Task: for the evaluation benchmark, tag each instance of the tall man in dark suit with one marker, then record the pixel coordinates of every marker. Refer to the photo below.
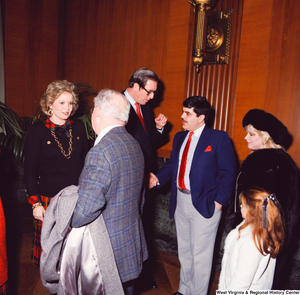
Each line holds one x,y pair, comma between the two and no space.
111,183
150,134
202,168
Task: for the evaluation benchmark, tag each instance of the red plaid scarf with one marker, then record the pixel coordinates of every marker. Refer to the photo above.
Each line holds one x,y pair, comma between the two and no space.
49,124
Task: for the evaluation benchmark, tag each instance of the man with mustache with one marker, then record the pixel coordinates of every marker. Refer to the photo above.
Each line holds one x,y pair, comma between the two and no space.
202,169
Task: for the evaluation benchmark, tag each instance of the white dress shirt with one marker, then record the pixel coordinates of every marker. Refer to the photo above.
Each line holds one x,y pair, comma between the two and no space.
103,132
193,144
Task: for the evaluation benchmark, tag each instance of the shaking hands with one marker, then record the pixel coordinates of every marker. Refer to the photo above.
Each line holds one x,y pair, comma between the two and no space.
153,180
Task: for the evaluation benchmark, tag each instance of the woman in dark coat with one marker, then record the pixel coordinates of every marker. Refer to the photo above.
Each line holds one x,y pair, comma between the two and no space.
271,168
55,150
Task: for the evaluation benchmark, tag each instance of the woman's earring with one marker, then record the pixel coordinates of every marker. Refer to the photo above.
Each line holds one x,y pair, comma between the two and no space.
50,112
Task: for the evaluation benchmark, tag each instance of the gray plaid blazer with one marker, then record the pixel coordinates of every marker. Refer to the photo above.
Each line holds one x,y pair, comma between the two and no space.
111,183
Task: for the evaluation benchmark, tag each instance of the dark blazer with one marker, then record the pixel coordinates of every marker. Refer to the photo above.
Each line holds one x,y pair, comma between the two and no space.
212,173
150,140
110,183
47,171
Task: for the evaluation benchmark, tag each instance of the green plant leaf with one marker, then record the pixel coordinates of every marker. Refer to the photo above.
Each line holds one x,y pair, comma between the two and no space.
9,120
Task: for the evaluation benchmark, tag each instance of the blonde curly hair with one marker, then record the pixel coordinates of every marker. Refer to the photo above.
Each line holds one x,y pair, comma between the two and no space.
54,90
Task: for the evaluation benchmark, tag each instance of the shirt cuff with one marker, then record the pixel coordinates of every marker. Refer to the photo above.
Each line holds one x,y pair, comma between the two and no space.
160,130
34,199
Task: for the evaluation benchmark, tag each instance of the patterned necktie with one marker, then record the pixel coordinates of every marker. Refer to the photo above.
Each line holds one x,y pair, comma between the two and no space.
138,111
183,162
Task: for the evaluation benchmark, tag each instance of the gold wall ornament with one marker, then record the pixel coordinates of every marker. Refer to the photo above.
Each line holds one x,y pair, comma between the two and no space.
211,34
201,8
218,37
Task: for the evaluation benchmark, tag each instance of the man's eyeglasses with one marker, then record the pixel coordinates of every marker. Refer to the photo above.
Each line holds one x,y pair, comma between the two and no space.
150,91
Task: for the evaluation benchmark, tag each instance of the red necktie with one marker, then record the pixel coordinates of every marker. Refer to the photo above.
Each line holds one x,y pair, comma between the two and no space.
138,111
183,162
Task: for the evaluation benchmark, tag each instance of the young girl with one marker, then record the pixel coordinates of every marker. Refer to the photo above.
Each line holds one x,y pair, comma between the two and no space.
252,247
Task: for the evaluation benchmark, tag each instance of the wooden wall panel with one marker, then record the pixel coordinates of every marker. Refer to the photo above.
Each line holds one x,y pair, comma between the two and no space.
269,68
174,70
104,42
283,86
108,40
31,51
253,63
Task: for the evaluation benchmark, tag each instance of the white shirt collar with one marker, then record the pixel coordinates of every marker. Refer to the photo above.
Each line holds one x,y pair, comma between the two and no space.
130,99
198,131
104,132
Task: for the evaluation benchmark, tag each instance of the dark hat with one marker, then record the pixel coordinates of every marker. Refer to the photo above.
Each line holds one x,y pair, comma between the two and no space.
264,121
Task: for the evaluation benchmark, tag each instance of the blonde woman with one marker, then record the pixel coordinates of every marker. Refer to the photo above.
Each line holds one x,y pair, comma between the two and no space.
55,150
269,166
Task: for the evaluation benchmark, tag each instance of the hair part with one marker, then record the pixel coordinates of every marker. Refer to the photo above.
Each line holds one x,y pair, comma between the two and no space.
54,90
267,241
267,140
141,76
200,104
113,103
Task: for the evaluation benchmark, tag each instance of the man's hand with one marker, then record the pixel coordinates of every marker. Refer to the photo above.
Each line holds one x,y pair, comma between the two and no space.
161,121
153,180
219,206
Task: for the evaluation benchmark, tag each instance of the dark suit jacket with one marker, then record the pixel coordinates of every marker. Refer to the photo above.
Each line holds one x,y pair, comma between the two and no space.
110,183
212,173
150,140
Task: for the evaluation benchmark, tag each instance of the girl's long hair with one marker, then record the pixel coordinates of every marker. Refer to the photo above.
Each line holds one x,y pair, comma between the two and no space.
270,240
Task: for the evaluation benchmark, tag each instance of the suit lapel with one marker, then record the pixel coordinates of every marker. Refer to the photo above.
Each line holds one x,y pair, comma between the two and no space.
136,119
147,119
201,146
179,142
